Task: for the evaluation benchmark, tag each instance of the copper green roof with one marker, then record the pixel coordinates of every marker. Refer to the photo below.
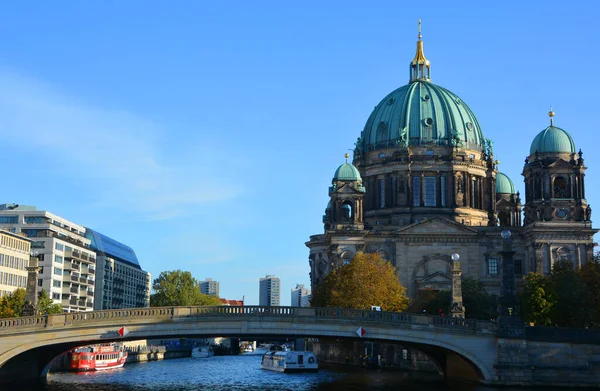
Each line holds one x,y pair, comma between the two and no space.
347,172
504,185
552,139
421,113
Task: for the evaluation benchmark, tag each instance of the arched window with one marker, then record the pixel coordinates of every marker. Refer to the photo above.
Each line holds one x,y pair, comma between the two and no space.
346,212
560,187
504,218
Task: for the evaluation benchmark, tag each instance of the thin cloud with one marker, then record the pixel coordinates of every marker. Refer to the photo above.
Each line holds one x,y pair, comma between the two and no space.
116,153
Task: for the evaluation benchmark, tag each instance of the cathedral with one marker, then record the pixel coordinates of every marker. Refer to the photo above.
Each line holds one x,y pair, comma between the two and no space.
423,189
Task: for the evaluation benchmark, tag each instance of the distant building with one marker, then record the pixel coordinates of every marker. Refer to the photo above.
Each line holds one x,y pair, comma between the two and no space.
120,280
209,287
269,294
300,296
232,303
14,258
67,264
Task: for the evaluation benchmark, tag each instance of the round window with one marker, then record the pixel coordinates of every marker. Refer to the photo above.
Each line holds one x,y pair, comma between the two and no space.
428,121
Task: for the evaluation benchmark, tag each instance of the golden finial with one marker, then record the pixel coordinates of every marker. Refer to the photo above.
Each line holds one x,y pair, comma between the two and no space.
496,162
346,156
419,66
551,115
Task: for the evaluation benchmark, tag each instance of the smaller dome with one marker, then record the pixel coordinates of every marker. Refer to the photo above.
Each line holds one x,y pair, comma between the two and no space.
504,185
552,139
347,172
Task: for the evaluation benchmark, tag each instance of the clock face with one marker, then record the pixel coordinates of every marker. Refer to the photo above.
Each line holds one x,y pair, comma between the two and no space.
562,213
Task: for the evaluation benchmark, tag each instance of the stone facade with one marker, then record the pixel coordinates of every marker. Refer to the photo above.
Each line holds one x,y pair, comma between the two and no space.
427,185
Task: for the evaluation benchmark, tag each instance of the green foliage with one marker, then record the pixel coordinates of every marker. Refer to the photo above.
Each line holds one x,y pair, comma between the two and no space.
570,292
367,280
478,303
536,300
46,306
12,304
590,274
179,288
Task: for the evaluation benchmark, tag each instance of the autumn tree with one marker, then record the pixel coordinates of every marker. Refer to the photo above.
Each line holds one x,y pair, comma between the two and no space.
12,304
179,288
365,281
537,300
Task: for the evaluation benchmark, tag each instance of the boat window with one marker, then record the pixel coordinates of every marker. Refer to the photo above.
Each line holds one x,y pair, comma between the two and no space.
300,359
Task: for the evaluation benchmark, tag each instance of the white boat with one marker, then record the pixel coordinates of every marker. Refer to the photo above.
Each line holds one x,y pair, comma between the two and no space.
202,352
295,361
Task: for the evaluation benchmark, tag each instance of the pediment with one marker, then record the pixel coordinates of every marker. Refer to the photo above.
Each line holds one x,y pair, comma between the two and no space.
436,277
561,164
503,204
347,189
437,226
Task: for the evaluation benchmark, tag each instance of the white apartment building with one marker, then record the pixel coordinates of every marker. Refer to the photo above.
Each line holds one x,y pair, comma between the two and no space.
269,294
67,264
209,287
300,296
14,258
120,280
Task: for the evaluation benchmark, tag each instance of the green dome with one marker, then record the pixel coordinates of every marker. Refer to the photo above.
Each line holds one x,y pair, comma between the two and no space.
552,139
504,185
420,113
347,172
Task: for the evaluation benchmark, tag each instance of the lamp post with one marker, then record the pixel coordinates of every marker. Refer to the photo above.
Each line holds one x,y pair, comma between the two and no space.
508,305
456,308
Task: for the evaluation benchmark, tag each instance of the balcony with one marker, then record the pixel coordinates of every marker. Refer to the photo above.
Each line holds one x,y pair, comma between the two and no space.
90,305
75,278
83,280
73,302
66,290
73,289
90,282
92,270
90,292
75,266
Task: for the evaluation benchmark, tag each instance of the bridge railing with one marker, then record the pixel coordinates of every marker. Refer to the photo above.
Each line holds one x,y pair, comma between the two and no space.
150,314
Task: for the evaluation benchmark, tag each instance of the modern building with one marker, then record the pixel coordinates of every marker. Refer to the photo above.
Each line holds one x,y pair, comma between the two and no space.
209,287
269,294
14,258
424,185
67,264
120,280
300,296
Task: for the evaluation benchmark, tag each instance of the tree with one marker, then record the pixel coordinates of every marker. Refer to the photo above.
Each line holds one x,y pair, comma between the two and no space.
12,304
590,274
179,288
478,303
537,300
570,292
366,281
46,305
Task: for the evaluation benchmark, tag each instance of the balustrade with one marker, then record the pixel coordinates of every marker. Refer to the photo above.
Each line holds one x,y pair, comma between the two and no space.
336,314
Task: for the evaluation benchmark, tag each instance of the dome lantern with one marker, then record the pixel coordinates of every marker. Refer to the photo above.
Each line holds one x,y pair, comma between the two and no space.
420,68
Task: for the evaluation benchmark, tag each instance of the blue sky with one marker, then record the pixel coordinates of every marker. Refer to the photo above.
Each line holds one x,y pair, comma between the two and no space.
205,134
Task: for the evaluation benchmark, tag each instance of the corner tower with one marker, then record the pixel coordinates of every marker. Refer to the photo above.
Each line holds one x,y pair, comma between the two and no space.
557,216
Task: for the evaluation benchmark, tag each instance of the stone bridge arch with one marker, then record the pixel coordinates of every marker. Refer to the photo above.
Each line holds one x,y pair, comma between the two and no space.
37,340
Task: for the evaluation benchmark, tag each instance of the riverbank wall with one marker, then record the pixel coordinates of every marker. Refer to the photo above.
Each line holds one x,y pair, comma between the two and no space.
372,355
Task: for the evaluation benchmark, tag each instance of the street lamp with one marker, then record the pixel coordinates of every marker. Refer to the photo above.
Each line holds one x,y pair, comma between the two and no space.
455,257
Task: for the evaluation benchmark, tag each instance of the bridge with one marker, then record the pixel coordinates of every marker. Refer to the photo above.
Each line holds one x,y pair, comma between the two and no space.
468,349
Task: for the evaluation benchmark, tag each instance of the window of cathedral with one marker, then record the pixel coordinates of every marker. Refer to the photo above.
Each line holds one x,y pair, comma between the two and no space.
443,190
416,191
381,193
430,191
346,212
492,266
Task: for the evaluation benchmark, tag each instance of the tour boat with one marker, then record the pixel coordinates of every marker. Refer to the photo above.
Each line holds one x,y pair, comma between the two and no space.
97,358
294,361
202,352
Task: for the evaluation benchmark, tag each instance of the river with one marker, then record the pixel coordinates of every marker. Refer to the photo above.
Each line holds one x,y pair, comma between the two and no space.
228,373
